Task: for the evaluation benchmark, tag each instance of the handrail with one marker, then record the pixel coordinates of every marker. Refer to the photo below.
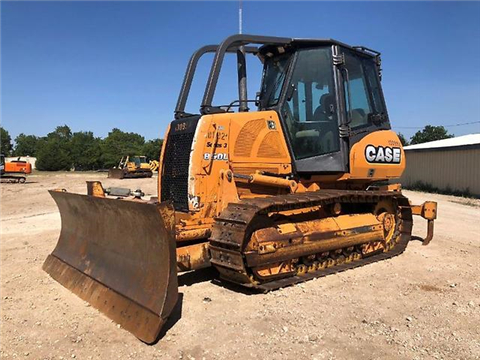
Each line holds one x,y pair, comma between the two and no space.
233,41
190,73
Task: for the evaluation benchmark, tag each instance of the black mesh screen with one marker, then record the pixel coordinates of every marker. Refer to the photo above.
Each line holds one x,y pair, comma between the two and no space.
176,162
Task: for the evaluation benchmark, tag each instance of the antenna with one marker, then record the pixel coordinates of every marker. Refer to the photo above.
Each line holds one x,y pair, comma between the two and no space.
240,17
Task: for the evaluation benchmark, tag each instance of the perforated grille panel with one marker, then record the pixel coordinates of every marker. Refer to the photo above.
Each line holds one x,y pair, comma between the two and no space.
247,136
271,146
176,162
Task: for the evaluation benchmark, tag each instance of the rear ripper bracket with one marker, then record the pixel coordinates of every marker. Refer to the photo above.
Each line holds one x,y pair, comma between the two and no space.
428,211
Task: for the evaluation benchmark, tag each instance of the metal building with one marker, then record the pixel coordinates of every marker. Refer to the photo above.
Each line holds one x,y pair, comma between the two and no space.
449,164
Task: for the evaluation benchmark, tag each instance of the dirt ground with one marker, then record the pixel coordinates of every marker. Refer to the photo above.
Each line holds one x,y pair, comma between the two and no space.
424,304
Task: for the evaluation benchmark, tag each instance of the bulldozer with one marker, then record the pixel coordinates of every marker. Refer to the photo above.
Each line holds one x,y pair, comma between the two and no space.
131,167
299,188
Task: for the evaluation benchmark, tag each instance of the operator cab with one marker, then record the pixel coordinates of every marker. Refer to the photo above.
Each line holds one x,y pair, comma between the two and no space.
327,94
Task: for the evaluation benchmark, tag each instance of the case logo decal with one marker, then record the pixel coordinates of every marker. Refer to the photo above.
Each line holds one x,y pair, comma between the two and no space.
383,154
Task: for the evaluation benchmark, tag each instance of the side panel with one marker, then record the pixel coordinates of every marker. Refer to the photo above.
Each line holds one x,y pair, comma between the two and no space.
200,177
258,138
242,143
377,156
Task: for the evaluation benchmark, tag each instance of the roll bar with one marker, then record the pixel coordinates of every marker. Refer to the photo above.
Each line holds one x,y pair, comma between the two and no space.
190,73
232,44
238,43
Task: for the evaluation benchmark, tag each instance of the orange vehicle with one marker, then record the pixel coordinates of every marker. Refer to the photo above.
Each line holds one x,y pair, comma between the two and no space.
302,187
14,171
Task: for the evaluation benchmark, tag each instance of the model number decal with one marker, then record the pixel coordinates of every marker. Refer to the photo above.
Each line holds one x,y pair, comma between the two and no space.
220,156
383,154
181,126
210,144
220,135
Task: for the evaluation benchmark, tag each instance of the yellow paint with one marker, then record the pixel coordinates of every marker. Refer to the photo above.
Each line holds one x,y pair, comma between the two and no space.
248,143
360,168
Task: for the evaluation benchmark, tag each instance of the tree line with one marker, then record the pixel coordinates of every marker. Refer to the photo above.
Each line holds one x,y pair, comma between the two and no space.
63,150
428,133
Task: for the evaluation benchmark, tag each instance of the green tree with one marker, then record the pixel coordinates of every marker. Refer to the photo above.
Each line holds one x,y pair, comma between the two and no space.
430,133
63,132
5,142
52,155
53,151
118,144
85,151
26,145
151,149
402,138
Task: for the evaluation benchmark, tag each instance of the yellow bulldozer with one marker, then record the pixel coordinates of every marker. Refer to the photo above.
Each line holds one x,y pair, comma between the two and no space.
299,188
131,167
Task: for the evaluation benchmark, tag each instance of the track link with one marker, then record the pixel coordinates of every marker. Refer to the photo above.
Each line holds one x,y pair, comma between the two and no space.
235,225
21,179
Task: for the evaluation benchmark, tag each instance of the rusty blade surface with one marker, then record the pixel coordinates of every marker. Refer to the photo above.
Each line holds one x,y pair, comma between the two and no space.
116,173
120,257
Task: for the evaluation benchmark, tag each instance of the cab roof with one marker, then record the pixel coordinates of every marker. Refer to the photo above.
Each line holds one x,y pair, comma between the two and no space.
308,42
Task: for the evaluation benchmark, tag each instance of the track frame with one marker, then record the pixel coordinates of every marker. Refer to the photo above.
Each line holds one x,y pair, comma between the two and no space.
235,225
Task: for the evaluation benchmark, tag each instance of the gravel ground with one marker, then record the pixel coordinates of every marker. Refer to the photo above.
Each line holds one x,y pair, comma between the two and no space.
424,304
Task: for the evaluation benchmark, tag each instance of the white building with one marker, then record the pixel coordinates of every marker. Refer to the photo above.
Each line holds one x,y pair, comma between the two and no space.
449,164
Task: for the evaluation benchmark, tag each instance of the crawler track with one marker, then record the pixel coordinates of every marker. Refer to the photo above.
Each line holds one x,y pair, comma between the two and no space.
235,225
21,179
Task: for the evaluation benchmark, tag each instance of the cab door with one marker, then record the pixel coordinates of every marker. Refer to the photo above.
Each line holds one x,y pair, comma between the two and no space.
365,110
310,113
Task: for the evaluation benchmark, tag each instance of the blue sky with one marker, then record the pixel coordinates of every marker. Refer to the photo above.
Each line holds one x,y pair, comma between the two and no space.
99,65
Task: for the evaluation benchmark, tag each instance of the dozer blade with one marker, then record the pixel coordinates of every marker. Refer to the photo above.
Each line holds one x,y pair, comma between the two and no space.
116,173
119,256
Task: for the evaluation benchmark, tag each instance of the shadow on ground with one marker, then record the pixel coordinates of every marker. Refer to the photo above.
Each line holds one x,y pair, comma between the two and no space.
212,275
174,317
197,276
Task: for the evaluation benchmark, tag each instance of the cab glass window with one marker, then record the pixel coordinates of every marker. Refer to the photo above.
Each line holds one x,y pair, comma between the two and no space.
362,90
310,109
273,77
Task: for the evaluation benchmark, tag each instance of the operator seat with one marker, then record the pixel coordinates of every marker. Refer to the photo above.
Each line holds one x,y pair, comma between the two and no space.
328,123
322,112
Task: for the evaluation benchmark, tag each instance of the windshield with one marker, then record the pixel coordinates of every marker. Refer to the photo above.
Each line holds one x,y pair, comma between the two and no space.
274,74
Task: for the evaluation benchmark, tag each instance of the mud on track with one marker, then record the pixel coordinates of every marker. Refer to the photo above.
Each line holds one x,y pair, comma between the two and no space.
424,304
